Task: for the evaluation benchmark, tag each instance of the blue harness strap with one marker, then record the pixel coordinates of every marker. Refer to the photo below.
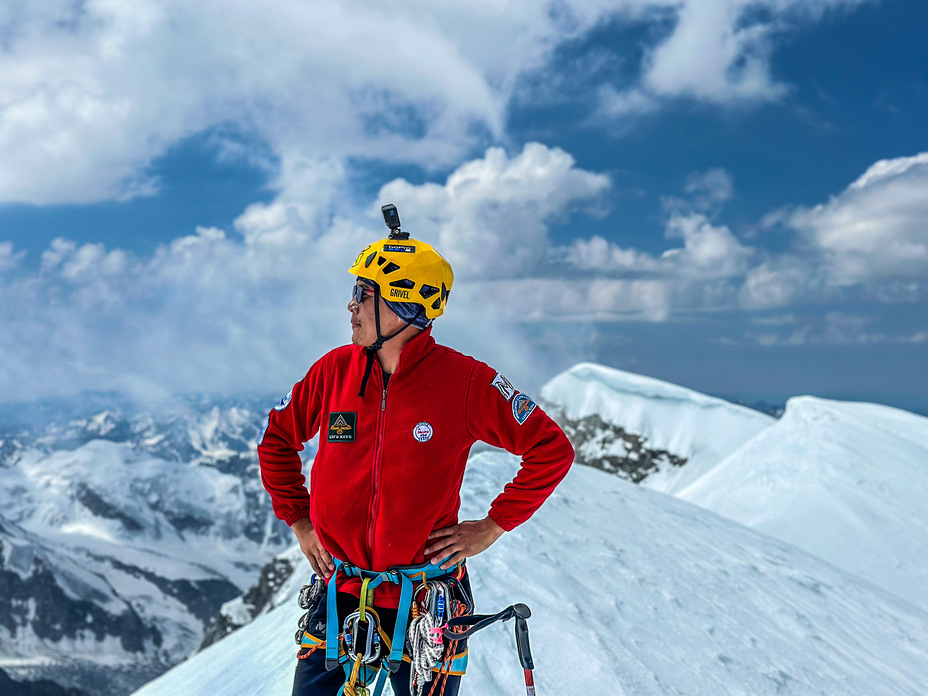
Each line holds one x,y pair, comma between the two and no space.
401,576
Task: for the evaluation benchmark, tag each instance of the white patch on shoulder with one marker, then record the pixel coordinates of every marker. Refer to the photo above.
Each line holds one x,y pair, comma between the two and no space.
504,386
284,402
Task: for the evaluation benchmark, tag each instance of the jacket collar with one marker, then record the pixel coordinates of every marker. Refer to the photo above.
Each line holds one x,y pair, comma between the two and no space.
412,352
415,349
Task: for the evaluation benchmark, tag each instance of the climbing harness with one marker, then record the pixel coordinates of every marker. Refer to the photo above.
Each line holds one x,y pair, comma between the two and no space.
359,645
439,612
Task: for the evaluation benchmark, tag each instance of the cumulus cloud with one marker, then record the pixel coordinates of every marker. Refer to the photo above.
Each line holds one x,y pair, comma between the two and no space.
718,52
253,306
875,230
709,251
490,218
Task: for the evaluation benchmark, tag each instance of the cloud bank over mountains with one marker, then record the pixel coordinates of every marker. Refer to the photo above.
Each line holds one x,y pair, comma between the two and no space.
93,93
251,307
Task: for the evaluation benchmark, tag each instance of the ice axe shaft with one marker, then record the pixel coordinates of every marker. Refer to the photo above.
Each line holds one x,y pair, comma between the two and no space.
478,621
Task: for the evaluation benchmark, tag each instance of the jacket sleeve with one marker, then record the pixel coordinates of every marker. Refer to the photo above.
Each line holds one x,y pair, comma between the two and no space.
291,423
503,417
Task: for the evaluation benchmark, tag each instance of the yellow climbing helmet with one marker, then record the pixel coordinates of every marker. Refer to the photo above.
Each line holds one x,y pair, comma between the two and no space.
406,270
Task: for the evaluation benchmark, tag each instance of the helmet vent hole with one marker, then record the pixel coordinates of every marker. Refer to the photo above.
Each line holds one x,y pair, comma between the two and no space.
436,304
390,268
426,291
369,259
381,260
444,292
404,283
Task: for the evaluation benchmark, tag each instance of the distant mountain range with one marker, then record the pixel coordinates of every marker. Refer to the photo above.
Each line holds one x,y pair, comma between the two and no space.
122,533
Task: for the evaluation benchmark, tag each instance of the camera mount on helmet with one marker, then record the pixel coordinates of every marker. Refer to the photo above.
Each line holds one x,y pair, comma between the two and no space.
392,218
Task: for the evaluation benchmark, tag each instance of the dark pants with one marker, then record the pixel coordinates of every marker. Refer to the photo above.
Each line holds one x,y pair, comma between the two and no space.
311,677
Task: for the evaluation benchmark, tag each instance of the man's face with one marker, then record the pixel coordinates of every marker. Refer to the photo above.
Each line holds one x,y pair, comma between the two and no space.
363,323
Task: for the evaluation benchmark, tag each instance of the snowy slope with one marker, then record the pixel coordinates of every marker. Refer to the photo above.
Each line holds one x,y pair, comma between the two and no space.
845,481
634,593
648,431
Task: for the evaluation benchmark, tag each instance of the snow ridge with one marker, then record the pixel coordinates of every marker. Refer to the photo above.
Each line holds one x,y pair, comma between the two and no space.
653,432
633,593
845,481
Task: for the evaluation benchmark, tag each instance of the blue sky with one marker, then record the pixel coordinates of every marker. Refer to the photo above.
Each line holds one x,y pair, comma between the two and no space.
732,196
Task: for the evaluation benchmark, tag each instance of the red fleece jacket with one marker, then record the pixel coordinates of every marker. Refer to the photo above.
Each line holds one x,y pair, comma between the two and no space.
389,467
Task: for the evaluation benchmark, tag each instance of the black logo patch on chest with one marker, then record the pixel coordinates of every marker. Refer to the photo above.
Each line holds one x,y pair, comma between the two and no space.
342,426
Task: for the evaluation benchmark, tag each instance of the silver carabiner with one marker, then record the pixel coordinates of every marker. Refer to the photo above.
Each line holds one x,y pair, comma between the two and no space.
437,600
352,628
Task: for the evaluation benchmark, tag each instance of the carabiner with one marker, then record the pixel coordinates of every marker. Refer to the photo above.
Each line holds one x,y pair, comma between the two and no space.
352,629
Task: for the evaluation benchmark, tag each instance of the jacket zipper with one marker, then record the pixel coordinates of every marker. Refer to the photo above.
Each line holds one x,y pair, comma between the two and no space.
378,453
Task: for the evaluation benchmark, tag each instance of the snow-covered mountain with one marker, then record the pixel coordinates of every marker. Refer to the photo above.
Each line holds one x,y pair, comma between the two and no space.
103,512
633,593
121,535
645,430
845,481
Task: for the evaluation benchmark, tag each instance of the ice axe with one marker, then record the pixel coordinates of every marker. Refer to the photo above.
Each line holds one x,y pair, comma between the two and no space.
521,613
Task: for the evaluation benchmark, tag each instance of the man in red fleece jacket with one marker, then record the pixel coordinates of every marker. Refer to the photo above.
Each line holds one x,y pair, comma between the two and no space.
397,415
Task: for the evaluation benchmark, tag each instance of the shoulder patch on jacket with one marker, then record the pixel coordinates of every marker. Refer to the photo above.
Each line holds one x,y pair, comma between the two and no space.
522,407
284,402
504,386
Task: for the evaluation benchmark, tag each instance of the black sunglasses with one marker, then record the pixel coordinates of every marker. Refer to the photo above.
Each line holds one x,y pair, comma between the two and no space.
359,292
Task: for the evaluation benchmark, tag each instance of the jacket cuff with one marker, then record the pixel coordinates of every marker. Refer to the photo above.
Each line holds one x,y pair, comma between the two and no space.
501,520
296,516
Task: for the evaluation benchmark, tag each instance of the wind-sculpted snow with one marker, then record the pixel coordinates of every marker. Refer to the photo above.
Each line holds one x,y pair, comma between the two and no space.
845,481
646,430
633,593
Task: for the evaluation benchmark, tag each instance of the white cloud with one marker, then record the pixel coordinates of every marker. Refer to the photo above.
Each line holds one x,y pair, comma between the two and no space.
718,52
9,258
778,282
710,188
598,254
490,218
93,93
834,329
876,230
252,307
709,251
713,55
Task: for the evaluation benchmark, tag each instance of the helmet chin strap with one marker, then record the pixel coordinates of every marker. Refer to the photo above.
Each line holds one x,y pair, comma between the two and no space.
372,349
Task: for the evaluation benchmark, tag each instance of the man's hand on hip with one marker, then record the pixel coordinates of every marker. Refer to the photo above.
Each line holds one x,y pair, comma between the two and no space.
318,557
461,541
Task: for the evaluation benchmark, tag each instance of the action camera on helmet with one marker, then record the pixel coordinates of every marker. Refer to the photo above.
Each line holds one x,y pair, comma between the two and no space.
392,217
